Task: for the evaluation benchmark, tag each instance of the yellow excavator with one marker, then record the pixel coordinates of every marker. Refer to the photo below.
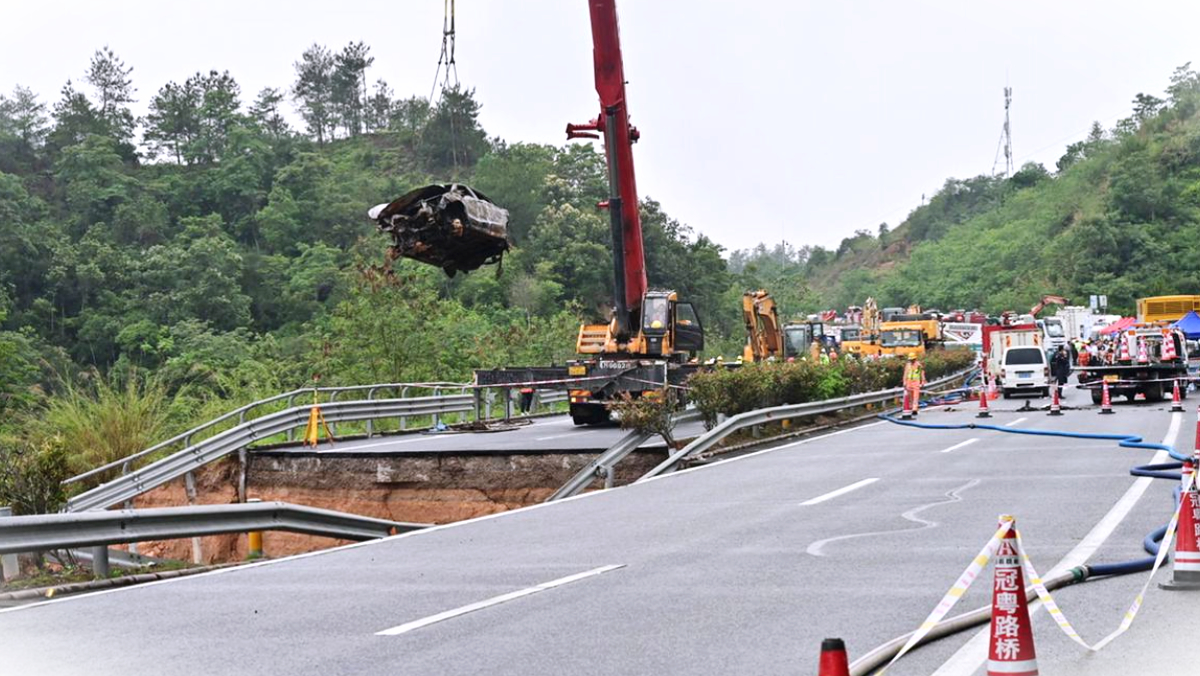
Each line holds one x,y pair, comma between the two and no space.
868,342
766,339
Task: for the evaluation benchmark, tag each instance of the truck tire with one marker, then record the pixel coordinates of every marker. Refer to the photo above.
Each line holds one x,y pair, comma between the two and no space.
1154,392
1097,397
589,414
1007,394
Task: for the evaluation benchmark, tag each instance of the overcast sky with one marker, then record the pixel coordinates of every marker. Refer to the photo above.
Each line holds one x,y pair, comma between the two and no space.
778,119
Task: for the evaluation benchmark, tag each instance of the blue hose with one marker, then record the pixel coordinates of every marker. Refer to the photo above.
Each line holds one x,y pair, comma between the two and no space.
1157,471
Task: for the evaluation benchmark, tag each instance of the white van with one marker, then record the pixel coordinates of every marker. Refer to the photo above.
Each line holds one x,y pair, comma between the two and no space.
1025,369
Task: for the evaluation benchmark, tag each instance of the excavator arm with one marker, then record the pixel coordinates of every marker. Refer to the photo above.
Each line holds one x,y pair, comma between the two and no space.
1047,300
764,337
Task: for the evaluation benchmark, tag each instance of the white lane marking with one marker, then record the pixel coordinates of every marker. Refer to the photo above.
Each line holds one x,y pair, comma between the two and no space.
841,491
911,515
973,654
1016,422
748,455
961,444
557,436
424,531
494,601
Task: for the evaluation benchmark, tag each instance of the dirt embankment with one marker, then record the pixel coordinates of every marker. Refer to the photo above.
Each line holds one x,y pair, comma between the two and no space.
423,489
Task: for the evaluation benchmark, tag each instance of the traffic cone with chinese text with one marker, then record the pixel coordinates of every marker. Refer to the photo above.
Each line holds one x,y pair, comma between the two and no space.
1055,404
1143,355
983,398
1186,572
1105,400
1176,401
1124,354
1010,639
833,658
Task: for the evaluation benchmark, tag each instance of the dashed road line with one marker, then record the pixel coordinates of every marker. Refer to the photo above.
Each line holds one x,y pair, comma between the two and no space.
959,445
841,491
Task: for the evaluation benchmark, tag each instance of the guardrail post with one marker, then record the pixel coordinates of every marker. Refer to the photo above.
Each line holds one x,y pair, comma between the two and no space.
370,421
243,460
189,482
100,569
403,418
254,540
291,433
507,393
437,417
10,564
333,425
477,395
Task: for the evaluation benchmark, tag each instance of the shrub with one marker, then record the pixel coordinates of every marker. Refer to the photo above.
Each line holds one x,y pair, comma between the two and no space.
730,391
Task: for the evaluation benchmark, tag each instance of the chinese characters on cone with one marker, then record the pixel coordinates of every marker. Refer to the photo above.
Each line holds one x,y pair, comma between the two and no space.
1010,644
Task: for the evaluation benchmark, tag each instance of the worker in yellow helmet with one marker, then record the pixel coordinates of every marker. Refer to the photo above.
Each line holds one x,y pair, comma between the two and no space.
914,380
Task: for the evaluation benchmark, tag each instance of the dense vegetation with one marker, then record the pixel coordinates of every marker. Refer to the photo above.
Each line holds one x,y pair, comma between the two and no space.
1120,216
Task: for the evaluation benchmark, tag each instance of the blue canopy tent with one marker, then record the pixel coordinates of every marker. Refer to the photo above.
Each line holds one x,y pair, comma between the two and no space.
1190,325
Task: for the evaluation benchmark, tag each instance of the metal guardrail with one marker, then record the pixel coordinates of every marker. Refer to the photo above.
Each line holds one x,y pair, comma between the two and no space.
134,482
138,481
766,415
44,532
604,463
243,414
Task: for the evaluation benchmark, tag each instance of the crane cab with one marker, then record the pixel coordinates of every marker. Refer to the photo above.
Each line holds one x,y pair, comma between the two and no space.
669,329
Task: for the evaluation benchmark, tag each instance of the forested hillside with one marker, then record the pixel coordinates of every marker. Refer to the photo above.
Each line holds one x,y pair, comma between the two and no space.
1119,215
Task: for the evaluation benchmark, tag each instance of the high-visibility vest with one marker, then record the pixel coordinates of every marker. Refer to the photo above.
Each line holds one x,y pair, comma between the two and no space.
915,373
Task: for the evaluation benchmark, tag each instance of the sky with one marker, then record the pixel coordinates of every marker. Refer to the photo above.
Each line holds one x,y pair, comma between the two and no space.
761,122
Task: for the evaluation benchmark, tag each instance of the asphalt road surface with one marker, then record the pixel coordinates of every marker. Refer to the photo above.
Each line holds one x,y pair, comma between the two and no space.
552,434
740,567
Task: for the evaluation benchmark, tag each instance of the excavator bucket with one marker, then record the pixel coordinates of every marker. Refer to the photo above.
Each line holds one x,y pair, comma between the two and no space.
451,226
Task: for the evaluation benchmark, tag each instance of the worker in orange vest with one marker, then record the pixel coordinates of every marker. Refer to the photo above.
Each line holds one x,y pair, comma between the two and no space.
914,380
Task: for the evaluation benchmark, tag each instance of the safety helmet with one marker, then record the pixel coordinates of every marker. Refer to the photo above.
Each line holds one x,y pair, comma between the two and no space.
912,356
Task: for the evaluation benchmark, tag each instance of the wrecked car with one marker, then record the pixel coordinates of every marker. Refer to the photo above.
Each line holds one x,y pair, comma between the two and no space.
454,227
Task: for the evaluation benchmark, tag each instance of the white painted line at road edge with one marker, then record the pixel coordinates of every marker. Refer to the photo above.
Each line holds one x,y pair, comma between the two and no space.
960,444
841,491
973,654
494,601
416,533
1016,422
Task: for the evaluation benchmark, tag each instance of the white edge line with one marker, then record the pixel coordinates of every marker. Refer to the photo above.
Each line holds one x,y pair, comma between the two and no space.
961,444
494,601
841,491
967,659
1016,422
423,531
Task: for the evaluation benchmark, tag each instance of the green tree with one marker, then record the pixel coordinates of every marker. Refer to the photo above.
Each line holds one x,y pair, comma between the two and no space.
313,91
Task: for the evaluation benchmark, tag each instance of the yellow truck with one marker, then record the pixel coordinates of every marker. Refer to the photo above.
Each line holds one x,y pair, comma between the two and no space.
909,334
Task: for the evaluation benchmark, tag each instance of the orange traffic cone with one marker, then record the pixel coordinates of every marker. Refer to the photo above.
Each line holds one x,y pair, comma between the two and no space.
983,399
1176,401
1055,404
833,658
1168,346
1105,400
1186,573
1143,356
1010,643
1124,354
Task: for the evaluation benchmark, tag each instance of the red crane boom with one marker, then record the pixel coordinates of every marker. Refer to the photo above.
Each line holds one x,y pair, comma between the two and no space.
629,260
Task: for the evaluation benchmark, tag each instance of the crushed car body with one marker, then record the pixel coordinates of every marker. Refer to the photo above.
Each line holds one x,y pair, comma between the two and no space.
451,226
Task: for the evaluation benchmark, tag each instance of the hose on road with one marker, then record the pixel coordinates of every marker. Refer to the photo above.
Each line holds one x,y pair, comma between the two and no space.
880,655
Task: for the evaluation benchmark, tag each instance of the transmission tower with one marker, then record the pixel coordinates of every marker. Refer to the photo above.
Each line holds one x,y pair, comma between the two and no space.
1005,144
